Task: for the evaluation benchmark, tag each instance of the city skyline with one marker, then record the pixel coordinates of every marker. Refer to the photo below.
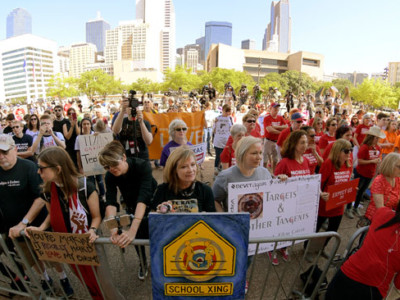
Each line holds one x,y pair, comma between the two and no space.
353,36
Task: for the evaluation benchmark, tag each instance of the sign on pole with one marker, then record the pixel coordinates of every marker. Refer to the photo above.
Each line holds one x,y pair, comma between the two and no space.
198,255
277,208
89,147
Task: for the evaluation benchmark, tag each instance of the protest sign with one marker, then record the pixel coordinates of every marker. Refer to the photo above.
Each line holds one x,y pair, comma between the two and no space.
200,255
342,193
199,150
69,248
160,123
89,147
277,208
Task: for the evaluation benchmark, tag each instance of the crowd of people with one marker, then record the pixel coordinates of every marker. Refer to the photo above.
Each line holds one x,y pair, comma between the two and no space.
41,166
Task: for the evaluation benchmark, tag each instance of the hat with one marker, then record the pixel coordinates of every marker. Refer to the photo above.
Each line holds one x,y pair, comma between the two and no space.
275,88
297,117
376,131
6,142
275,104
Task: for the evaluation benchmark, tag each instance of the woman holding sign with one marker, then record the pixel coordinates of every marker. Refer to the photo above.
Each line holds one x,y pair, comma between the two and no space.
180,183
335,170
71,211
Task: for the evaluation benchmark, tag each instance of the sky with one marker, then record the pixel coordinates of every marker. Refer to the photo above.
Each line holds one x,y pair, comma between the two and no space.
353,35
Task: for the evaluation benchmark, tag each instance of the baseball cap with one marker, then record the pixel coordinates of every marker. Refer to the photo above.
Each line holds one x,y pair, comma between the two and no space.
297,117
275,104
6,142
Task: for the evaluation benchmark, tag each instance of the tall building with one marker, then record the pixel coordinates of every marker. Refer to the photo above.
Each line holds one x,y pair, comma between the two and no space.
63,60
249,44
81,55
191,56
27,62
201,43
96,32
277,37
160,15
19,22
394,72
216,33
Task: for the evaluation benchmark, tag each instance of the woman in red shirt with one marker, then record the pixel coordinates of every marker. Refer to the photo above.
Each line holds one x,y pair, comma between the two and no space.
329,136
313,154
335,170
318,126
368,159
359,134
343,132
385,189
228,158
367,274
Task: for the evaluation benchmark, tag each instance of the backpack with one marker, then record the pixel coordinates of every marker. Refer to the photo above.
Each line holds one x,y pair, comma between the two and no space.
82,193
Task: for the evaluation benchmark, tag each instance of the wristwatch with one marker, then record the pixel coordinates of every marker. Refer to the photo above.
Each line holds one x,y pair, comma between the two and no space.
25,221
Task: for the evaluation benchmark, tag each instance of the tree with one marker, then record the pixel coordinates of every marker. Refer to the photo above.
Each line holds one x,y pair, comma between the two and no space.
145,85
95,82
274,80
298,81
180,77
341,84
219,77
376,93
62,87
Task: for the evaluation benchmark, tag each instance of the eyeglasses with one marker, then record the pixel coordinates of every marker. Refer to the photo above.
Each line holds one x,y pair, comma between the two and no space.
71,112
319,123
318,112
251,121
113,166
17,126
42,167
334,124
347,151
299,122
311,136
181,129
33,119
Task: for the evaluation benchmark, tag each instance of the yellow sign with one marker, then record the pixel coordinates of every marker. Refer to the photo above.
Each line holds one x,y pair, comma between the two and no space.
199,254
199,289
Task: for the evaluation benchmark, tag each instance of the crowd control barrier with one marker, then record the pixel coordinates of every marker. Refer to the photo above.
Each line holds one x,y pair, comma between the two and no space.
266,281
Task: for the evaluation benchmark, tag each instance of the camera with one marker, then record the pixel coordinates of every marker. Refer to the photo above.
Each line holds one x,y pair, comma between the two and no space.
133,102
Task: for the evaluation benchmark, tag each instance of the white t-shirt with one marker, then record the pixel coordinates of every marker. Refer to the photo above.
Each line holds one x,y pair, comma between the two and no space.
222,131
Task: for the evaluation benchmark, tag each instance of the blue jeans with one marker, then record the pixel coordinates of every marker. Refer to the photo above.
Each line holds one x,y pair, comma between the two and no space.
363,185
218,152
207,137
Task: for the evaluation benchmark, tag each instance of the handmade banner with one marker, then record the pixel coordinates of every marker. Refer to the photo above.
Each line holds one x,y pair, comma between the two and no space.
89,147
160,123
342,193
69,248
199,255
277,208
199,150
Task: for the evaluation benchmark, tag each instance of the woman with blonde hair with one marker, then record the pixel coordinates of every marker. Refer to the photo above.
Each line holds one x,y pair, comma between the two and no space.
180,182
318,125
329,136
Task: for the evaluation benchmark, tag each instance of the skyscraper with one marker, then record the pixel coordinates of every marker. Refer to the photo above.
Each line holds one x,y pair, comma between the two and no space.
19,21
277,37
201,43
217,32
96,32
160,15
249,44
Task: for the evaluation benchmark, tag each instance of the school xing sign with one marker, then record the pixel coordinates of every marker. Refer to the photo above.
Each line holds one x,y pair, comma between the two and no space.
198,255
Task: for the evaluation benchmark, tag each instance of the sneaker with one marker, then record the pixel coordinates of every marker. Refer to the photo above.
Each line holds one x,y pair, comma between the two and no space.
246,288
46,284
357,212
349,213
273,258
66,287
285,254
142,273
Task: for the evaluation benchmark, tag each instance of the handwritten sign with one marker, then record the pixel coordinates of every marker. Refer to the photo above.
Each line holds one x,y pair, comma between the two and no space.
277,208
89,147
199,150
342,193
67,248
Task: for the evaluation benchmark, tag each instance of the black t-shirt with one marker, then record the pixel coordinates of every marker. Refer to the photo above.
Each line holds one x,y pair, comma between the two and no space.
127,135
70,143
19,187
90,188
137,185
202,192
23,143
7,130
58,125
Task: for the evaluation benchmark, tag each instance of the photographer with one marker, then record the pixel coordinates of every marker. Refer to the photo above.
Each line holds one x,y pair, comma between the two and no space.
134,132
47,137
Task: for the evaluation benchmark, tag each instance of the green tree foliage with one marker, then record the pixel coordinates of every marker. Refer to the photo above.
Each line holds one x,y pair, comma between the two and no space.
377,93
62,87
219,77
298,82
274,80
145,85
97,82
180,77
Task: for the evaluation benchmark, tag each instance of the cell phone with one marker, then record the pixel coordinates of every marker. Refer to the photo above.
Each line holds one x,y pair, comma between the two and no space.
74,117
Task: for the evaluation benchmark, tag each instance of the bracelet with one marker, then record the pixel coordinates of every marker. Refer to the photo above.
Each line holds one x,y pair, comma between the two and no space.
134,218
94,229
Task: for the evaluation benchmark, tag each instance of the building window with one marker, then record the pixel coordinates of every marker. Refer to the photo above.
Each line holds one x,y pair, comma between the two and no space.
310,62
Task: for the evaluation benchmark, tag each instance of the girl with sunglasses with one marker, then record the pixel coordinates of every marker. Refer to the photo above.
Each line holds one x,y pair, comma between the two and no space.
313,154
329,136
318,125
33,126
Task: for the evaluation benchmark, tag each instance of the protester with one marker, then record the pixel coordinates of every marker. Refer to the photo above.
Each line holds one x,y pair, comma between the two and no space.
295,124
47,137
354,123
385,188
33,126
228,158
23,142
73,212
8,128
313,154
343,132
318,126
134,180
222,125
180,183
361,130
59,121
387,144
71,131
367,274
368,159
329,136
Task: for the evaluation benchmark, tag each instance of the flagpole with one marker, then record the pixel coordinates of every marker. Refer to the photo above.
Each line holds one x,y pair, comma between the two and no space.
44,87
26,82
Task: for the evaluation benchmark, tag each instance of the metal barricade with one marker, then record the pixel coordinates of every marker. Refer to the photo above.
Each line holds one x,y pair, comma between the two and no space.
283,281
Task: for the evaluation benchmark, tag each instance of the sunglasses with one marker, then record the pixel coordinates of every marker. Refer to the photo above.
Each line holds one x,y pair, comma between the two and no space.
318,112
33,119
347,151
299,122
42,167
311,136
181,129
15,127
251,121
334,124
70,113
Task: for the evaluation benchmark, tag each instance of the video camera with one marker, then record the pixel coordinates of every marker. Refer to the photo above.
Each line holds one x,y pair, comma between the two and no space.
134,102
